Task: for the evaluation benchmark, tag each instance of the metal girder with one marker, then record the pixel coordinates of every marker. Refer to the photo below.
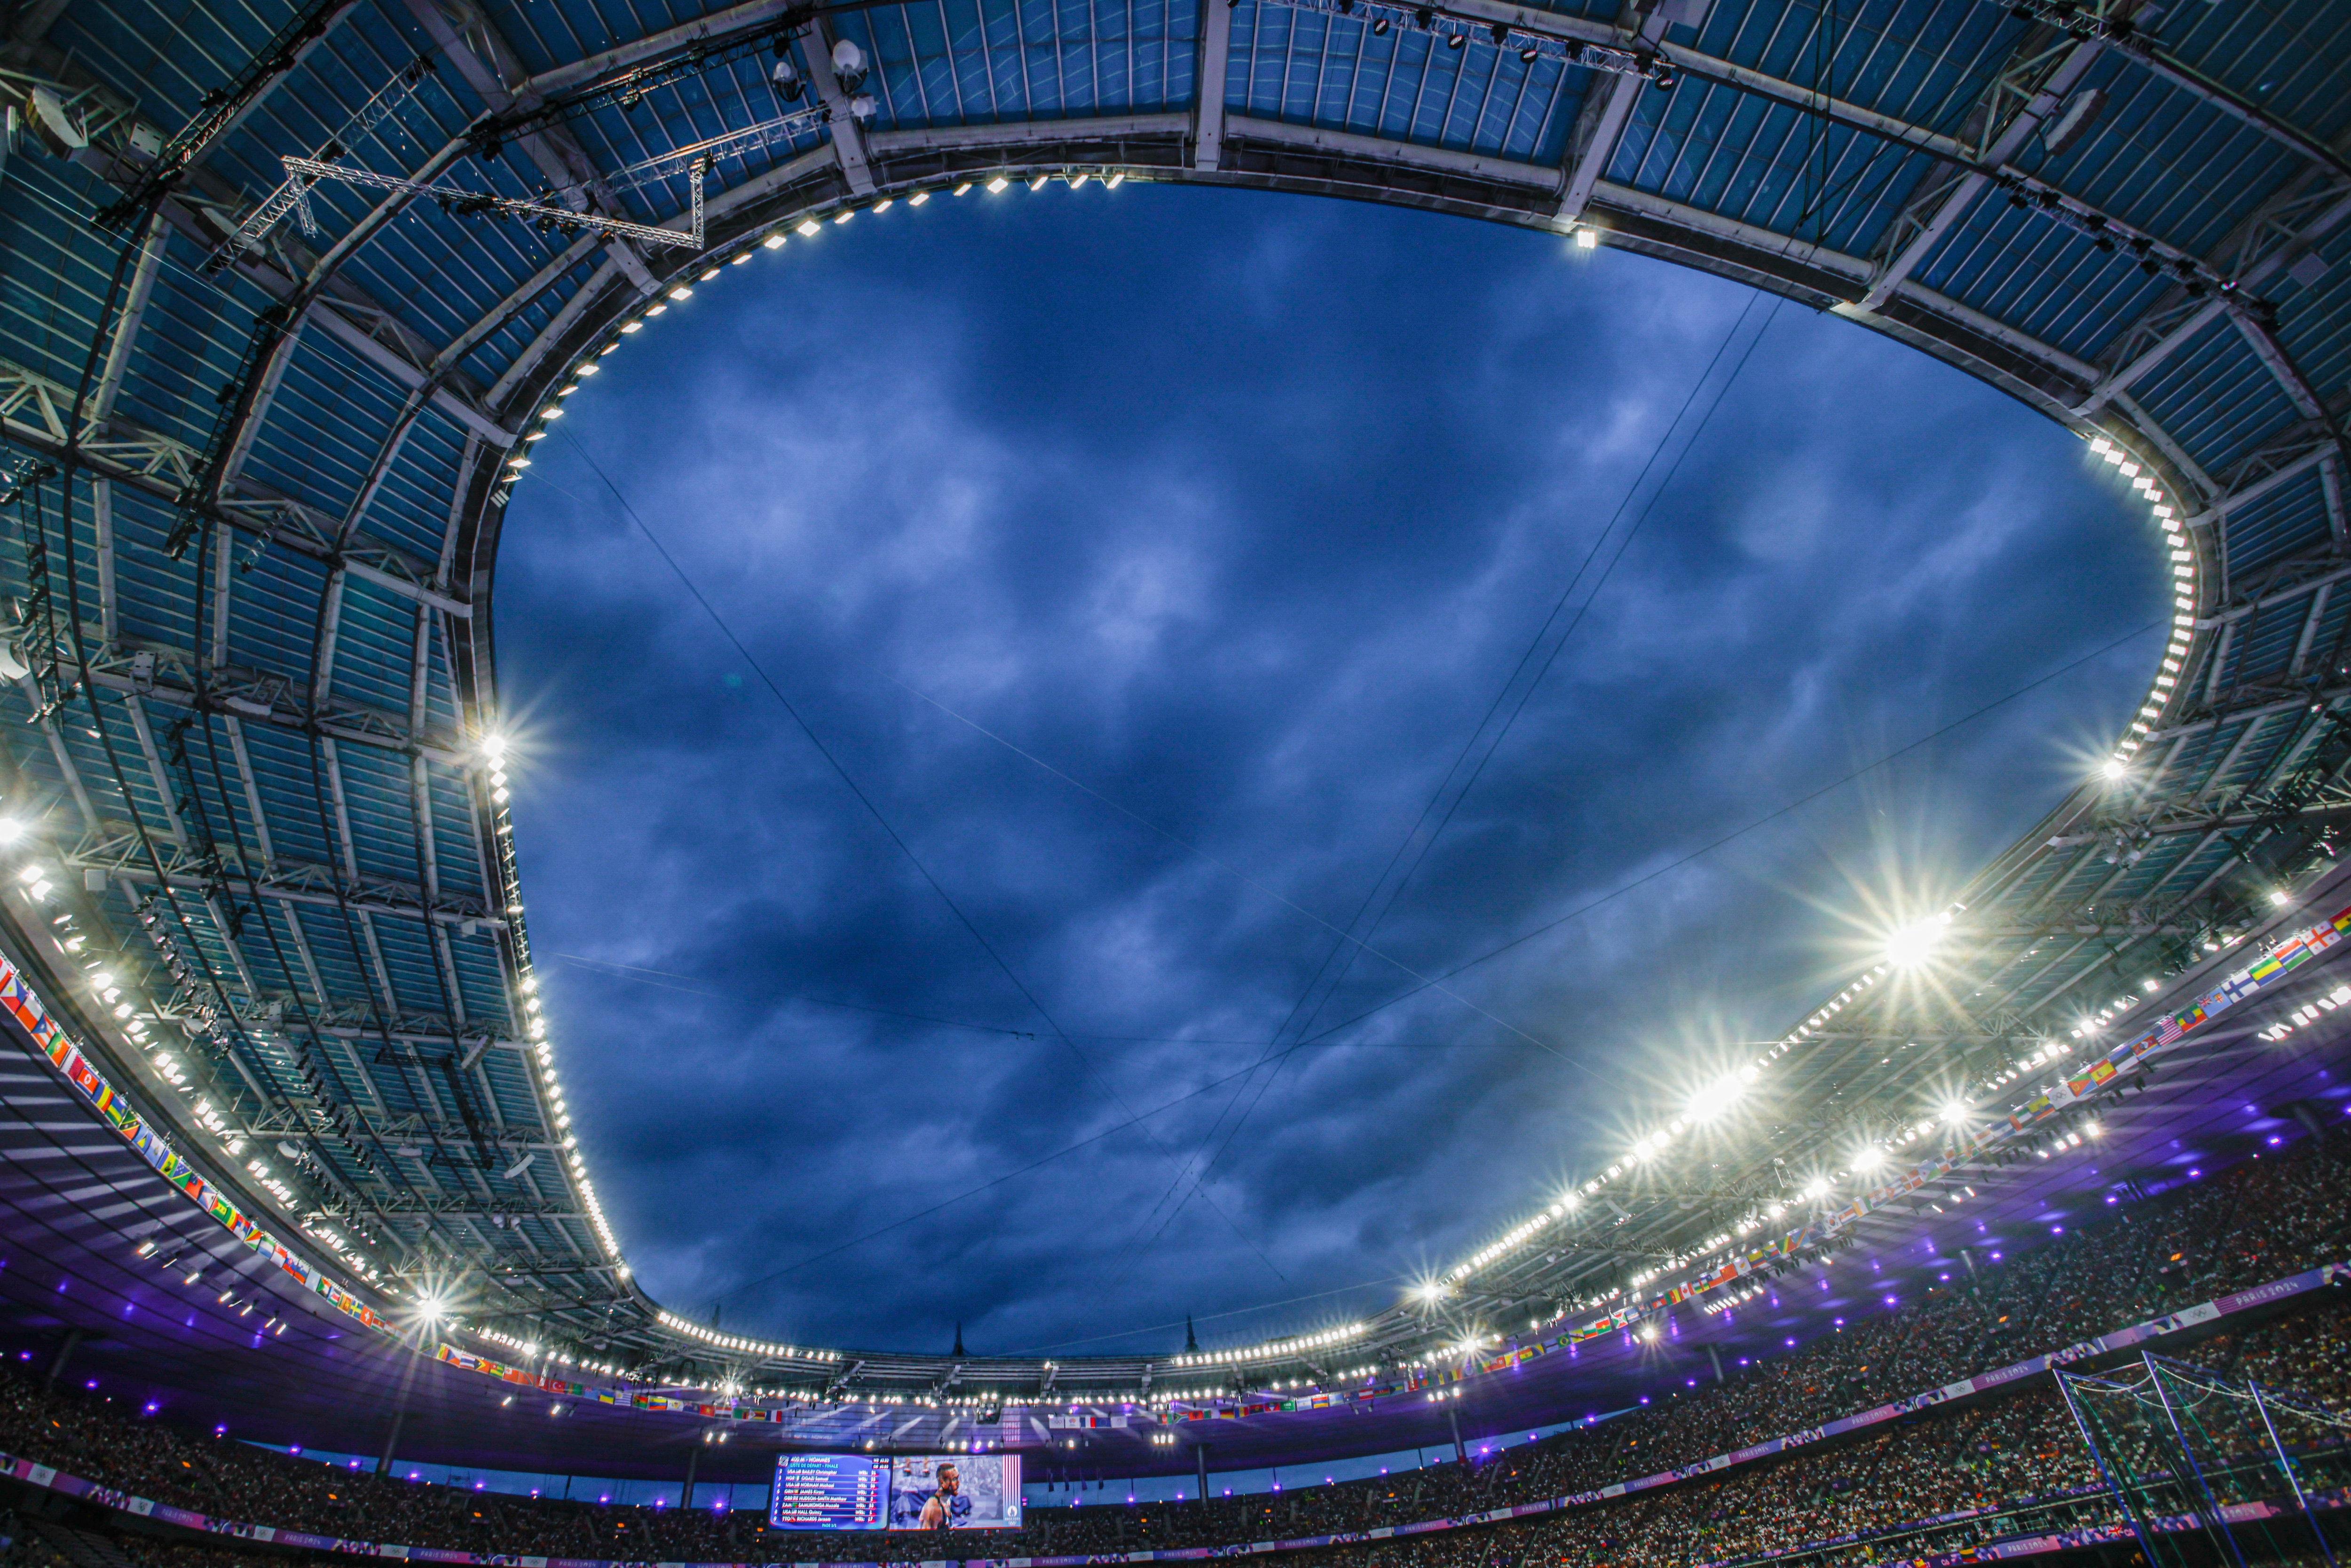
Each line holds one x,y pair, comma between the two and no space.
487,62
356,1018
2172,825
2283,456
1216,57
438,1205
847,131
1601,126
33,409
783,176
2278,234
151,670
120,852
621,57
2032,85
395,1131
222,109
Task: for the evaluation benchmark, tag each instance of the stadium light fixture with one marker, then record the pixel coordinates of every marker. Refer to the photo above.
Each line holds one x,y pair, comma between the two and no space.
1869,1158
2281,897
1718,1097
2114,768
1586,238
1912,945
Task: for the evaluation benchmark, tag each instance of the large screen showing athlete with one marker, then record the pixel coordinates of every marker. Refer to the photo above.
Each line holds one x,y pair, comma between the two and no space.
898,1491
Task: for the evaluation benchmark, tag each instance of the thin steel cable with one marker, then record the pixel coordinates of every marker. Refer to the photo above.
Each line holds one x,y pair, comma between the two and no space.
1085,1063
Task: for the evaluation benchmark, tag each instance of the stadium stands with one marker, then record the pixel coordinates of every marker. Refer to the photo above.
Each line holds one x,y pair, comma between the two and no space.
2010,1464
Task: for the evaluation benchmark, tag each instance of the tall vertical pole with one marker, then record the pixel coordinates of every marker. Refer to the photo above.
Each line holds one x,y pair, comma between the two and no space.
399,1404
2213,1524
692,1457
2127,1498
65,1354
1200,1452
1453,1416
2301,1500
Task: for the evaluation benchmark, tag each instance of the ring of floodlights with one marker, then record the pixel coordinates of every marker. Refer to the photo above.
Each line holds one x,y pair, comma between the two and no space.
2185,550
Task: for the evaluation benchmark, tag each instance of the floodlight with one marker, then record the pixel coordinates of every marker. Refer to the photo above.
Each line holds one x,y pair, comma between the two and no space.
1586,238
2114,768
1715,1098
2281,897
1956,1114
1913,945
1869,1159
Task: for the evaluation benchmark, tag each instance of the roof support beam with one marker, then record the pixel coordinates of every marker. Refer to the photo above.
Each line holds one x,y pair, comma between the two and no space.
152,671
846,130
621,57
560,327
556,152
2277,236
1601,126
162,467
1214,59
2276,462
2036,85
126,328
117,851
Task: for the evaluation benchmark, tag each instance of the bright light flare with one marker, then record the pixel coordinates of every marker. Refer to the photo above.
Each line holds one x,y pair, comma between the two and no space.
1912,945
1957,1112
1716,1098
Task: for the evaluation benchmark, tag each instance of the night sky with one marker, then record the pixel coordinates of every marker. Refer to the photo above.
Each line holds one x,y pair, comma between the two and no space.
1189,581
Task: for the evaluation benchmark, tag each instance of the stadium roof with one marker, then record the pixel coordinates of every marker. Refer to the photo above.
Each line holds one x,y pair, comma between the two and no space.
262,427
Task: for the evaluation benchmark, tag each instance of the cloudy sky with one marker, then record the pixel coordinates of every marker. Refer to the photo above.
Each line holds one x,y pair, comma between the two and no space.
1170,639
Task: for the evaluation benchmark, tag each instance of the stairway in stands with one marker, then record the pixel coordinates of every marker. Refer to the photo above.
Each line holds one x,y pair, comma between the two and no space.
82,1548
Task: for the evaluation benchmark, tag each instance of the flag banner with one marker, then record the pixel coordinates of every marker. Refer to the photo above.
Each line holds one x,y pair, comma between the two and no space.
2276,960
112,1107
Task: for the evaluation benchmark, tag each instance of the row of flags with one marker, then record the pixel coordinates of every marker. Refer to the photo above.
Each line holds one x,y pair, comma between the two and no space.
2323,1278
25,1006
2275,963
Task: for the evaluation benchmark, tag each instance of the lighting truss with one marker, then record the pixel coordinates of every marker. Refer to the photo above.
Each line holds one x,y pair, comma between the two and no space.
1425,19
222,108
624,88
292,196
706,153
460,200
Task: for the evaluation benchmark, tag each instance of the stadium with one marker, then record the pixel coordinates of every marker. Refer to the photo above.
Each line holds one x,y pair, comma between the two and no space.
303,1254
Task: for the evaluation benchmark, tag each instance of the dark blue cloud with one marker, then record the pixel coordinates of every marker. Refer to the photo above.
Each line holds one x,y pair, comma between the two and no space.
1238,511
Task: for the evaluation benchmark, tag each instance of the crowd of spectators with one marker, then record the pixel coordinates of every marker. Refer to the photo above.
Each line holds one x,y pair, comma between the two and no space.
2266,1218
